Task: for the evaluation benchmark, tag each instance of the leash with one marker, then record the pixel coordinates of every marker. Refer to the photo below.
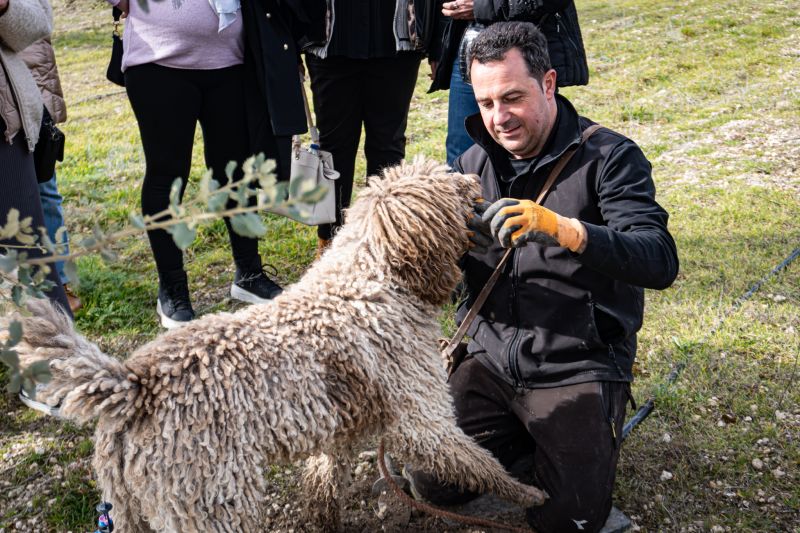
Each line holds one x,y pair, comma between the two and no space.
436,511
647,408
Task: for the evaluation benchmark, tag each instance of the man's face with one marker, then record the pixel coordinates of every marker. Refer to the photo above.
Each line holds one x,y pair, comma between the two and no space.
517,110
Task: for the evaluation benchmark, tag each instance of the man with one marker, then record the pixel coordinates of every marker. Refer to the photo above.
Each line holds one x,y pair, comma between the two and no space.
549,367
462,20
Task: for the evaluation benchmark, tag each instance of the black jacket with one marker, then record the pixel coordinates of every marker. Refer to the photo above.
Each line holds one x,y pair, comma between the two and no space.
556,317
558,20
274,101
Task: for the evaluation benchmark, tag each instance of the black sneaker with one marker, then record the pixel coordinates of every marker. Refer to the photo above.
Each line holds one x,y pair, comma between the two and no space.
174,307
253,285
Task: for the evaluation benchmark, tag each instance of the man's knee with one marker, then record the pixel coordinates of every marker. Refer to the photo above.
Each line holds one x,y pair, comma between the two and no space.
570,512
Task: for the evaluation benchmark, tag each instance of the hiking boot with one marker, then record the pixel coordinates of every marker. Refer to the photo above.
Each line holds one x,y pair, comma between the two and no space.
72,299
30,401
251,284
174,306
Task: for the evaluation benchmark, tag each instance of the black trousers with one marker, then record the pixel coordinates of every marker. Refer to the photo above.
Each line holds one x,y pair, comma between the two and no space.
168,103
350,92
20,191
571,433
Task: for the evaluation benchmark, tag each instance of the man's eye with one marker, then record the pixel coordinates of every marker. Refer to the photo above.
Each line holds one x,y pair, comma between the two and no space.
485,105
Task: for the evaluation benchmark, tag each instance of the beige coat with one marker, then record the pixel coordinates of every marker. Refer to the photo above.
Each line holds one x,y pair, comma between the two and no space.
24,22
41,60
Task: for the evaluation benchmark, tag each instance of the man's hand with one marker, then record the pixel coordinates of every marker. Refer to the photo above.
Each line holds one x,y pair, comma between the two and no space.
480,235
434,65
518,222
3,6
458,9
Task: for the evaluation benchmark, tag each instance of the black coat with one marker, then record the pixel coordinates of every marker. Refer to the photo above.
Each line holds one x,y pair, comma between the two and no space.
556,317
558,20
273,99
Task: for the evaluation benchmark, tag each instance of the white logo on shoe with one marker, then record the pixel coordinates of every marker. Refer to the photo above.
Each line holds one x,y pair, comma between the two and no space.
579,523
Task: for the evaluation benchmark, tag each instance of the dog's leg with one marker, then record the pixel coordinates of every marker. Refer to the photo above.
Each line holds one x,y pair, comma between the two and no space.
429,438
323,482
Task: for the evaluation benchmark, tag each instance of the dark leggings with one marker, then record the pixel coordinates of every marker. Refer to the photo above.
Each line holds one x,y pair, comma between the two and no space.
20,190
168,103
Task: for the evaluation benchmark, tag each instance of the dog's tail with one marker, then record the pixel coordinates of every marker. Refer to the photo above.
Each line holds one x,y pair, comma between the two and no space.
86,382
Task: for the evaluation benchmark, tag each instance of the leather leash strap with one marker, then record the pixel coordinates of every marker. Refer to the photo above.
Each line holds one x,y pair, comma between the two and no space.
451,346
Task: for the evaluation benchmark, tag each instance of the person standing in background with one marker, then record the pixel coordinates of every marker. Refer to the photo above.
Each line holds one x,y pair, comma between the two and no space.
41,60
462,20
21,23
364,74
232,66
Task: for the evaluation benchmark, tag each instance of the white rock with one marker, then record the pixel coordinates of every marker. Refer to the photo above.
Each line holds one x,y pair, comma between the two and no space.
666,437
666,476
780,415
778,473
39,450
757,463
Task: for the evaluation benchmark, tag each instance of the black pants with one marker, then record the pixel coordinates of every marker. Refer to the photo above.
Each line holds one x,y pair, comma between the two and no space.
168,103
566,431
20,191
348,92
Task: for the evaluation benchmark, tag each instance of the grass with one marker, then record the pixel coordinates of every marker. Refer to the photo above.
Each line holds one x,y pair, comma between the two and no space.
710,92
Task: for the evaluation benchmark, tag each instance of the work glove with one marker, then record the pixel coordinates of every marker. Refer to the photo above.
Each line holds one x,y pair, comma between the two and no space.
480,235
517,222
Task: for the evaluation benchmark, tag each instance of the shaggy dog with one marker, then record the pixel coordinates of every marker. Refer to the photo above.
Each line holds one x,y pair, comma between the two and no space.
188,423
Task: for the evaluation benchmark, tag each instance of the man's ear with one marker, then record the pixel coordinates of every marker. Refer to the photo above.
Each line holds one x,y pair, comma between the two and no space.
549,83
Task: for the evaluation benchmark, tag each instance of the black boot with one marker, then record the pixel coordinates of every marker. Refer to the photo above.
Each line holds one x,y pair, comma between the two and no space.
174,307
252,285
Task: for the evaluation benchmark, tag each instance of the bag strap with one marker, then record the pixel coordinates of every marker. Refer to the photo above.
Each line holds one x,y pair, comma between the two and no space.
484,294
312,129
116,13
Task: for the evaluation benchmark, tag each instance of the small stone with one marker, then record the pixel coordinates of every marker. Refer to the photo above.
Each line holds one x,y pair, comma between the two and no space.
368,455
666,476
780,415
757,463
666,437
721,424
717,529
778,473
39,450
748,419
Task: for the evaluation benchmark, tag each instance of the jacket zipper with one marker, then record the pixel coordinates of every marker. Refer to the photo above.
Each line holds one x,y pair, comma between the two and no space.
513,359
610,414
613,355
558,30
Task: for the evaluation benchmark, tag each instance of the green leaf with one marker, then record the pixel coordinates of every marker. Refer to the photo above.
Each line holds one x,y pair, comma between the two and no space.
175,193
71,271
217,201
9,357
12,224
248,225
40,372
14,333
298,186
9,261
230,168
317,194
17,295
14,382
136,220
108,255
183,235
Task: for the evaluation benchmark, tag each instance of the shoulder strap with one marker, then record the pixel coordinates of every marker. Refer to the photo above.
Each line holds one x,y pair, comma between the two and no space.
451,346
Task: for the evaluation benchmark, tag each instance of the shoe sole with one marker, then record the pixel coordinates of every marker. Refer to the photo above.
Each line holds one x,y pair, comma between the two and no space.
41,407
166,321
238,293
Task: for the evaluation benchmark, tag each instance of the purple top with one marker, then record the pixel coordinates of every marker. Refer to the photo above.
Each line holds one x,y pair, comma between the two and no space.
180,34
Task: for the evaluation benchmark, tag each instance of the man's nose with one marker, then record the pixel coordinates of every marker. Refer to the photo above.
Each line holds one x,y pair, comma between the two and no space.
501,114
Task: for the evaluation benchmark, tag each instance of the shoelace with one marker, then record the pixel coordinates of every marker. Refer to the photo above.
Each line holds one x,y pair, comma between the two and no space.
266,271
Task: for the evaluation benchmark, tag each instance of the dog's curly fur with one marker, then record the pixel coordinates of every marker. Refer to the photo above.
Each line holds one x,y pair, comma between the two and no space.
189,422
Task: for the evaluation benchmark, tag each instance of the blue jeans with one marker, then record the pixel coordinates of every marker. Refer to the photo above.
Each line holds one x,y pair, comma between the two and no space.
53,217
461,105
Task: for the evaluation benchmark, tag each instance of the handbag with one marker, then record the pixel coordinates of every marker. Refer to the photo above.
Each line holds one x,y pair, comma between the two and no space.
311,168
114,70
49,149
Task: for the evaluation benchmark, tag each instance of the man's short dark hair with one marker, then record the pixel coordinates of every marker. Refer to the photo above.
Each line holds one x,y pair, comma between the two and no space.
494,42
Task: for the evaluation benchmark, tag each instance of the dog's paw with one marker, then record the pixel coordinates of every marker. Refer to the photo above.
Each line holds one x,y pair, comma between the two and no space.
533,496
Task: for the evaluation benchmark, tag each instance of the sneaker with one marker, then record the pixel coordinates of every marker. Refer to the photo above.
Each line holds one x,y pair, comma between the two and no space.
174,307
254,286
42,407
